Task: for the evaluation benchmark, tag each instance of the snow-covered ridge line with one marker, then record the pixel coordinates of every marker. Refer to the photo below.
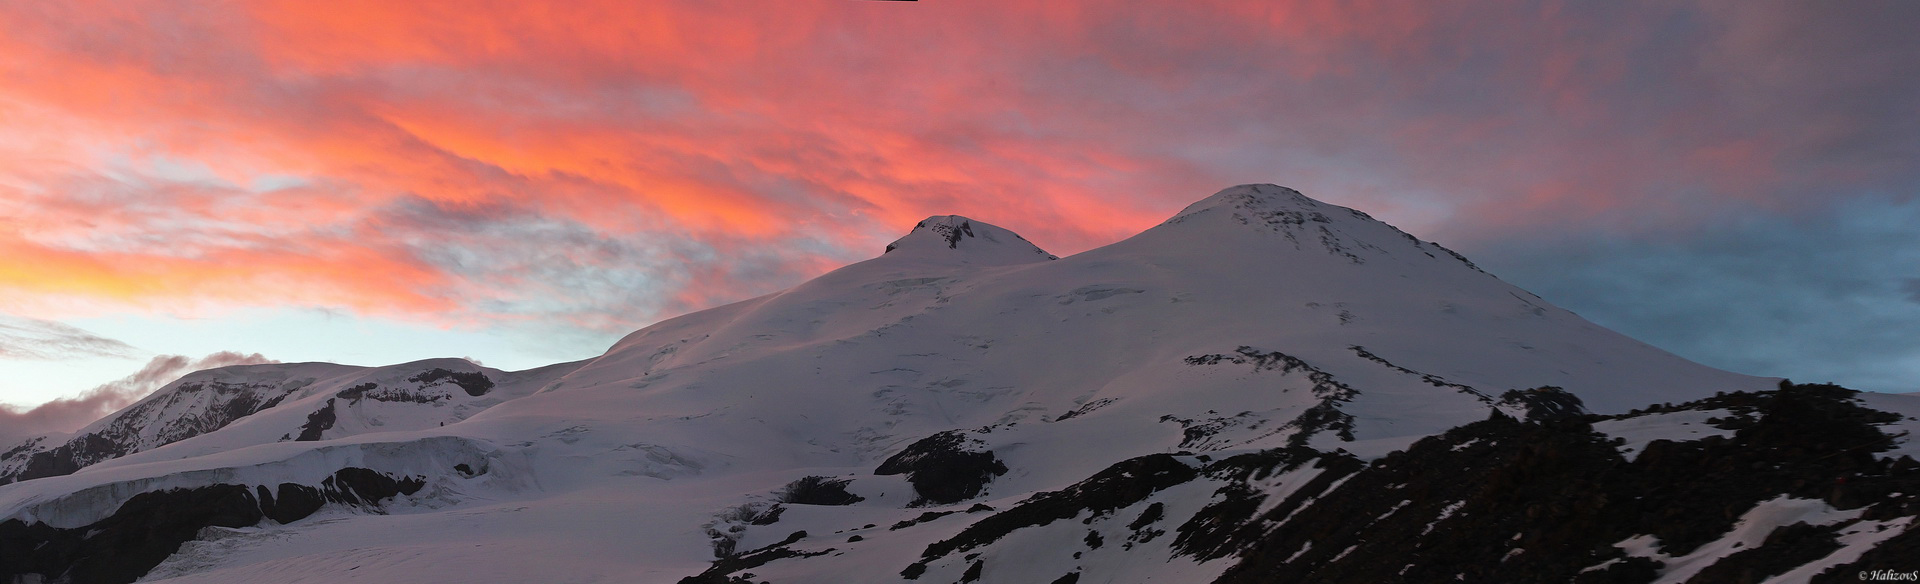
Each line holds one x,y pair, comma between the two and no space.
1198,402
289,401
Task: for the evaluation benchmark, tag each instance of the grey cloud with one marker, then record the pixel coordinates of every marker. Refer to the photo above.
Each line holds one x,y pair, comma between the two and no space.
1621,115
1840,78
66,415
1826,298
32,338
513,266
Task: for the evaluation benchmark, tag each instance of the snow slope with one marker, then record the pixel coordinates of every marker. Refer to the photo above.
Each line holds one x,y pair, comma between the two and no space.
1255,320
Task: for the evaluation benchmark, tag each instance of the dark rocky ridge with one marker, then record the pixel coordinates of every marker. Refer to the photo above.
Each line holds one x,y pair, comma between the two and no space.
475,383
1116,487
1563,494
722,570
816,490
151,526
942,469
1503,500
1325,416
318,422
1431,379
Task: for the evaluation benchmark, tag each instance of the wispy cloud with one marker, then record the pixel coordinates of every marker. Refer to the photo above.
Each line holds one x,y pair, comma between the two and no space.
32,338
69,414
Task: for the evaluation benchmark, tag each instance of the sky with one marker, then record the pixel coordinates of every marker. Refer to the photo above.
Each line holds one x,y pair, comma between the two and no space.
372,182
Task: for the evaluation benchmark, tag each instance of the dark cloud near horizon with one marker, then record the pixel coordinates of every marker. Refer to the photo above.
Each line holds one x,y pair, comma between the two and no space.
32,338
1828,297
69,414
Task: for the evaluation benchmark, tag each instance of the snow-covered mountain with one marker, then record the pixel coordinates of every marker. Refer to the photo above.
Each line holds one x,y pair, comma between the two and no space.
322,401
1263,387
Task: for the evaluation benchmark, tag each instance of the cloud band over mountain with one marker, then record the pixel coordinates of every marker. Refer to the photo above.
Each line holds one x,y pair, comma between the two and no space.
601,165
66,415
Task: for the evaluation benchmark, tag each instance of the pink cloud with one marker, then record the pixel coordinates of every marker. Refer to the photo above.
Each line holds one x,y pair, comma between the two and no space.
69,414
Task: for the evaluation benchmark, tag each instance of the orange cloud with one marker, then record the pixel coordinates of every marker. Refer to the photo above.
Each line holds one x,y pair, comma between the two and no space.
397,158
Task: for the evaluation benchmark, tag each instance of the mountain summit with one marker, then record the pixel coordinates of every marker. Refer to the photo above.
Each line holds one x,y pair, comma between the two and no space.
1263,387
1305,224
963,240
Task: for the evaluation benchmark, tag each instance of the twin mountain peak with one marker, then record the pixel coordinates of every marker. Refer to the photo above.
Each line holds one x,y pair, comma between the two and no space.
1138,388
1301,222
